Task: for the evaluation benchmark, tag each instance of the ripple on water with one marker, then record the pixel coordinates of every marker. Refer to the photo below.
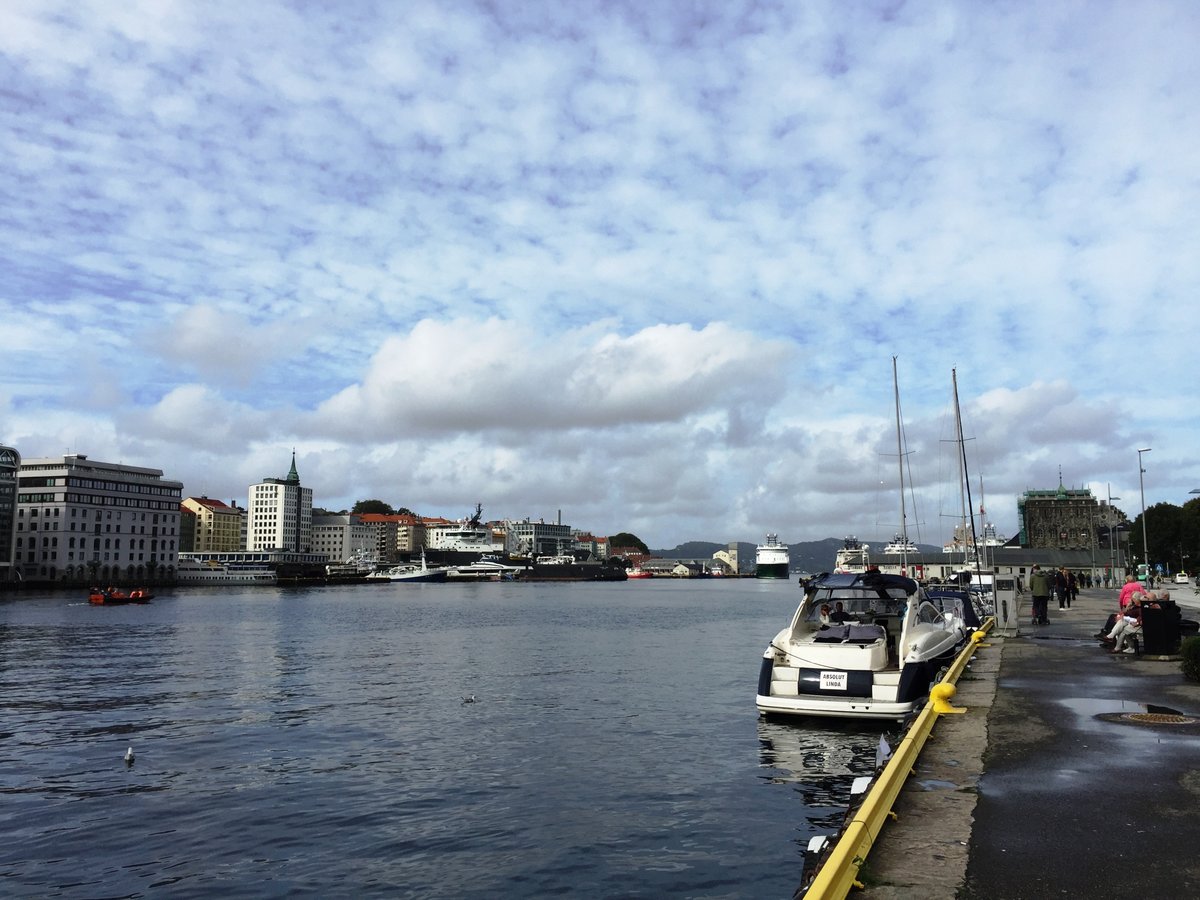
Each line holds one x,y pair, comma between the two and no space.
316,742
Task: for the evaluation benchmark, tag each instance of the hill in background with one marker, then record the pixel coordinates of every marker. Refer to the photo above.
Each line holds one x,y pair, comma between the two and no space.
807,556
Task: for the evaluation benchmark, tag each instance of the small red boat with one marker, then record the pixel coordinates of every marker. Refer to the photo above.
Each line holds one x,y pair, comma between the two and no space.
114,596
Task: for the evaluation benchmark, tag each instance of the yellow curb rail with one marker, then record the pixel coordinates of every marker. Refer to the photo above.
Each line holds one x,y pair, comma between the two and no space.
840,870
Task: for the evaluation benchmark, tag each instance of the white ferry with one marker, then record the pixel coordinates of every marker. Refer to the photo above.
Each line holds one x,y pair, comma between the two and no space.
854,557
901,544
772,559
212,571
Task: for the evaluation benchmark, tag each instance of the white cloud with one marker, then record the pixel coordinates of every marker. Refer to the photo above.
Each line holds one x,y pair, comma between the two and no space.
603,257
459,375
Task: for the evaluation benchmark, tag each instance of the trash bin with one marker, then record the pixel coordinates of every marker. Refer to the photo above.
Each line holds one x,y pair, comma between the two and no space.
1160,628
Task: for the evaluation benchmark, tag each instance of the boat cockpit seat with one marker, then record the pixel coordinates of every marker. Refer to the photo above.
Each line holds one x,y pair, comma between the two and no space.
851,634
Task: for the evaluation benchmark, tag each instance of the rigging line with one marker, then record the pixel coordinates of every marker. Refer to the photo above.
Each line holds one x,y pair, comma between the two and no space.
963,445
905,462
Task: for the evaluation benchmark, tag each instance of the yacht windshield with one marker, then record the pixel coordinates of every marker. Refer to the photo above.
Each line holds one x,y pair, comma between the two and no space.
858,603
929,614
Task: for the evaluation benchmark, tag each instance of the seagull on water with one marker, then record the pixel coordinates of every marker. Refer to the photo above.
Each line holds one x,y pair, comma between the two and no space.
469,699
129,757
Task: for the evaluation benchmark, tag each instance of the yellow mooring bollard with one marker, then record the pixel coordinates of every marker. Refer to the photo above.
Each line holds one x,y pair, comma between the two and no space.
940,694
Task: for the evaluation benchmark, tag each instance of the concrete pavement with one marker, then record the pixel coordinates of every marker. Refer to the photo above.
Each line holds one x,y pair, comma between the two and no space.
1074,773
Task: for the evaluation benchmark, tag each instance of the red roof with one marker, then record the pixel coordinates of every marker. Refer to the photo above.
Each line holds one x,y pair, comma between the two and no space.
205,501
385,519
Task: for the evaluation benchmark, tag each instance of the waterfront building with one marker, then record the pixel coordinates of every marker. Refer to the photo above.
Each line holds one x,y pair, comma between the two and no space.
394,535
540,538
10,464
1065,527
217,527
82,520
341,537
1062,519
728,558
187,530
279,514
595,547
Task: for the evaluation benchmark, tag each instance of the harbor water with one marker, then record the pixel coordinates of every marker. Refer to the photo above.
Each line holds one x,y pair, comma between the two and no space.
419,740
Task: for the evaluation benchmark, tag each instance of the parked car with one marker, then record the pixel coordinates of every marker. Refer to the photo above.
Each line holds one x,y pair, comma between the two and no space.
1181,578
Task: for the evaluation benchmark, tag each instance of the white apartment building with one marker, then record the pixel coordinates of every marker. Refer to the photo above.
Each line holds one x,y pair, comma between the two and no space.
394,535
219,527
339,538
83,520
279,514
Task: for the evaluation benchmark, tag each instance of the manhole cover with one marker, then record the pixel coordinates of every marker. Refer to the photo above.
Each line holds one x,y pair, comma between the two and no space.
1150,718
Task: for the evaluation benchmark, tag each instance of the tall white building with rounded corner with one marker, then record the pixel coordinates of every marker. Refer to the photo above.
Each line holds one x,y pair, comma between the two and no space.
279,514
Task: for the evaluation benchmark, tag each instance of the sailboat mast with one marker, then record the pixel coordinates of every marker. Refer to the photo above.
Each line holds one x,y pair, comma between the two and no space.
900,458
983,526
962,472
962,446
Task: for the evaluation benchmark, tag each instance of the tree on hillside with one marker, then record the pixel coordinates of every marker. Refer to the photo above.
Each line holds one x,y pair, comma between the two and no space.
625,539
405,511
372,506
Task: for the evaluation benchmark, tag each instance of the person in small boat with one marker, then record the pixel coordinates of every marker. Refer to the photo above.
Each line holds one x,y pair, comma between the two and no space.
825,616
839,616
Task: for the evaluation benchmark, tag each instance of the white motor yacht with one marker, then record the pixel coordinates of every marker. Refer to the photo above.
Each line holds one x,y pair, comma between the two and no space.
873,655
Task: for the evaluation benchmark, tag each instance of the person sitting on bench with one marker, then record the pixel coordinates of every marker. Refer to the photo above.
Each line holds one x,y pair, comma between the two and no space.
1128,624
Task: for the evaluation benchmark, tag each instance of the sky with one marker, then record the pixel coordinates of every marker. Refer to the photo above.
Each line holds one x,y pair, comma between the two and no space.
637,267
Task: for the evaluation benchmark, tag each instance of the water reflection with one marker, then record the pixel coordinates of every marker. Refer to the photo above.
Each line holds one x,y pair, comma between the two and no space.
316,742
821,759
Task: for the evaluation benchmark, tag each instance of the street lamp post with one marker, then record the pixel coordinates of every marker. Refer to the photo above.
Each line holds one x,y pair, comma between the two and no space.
1142,484
1111,520
1094,541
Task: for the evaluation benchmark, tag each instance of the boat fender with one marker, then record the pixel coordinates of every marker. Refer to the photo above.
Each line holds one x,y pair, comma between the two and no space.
764,676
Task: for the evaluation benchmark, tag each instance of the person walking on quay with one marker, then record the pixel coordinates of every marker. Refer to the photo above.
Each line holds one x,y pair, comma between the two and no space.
1072,587
1039,587
1062,587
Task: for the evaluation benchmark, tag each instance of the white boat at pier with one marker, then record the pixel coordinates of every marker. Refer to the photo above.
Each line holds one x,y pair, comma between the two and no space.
212,571
772,559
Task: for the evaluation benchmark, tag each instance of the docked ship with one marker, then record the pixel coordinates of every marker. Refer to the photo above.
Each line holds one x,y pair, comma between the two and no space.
902,544
772,559
489,568
853,557
359,564
212,571
460,543
568,568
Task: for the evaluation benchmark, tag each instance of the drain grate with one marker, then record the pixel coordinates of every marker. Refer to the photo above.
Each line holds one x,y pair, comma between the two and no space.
1149,718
